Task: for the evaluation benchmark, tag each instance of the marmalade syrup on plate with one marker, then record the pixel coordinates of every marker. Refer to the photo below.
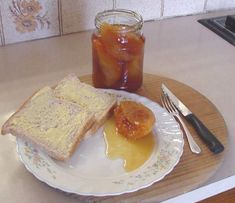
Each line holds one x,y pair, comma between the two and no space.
134,153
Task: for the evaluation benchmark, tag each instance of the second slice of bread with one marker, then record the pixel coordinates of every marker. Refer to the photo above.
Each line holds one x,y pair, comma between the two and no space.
88,97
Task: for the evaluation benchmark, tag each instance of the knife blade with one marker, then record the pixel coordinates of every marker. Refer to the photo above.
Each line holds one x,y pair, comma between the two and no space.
205,134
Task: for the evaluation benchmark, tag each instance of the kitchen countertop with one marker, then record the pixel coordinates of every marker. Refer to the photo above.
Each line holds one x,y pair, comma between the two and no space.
178,48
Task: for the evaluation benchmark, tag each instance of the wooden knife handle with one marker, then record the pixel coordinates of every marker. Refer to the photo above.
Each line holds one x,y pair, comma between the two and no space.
211,141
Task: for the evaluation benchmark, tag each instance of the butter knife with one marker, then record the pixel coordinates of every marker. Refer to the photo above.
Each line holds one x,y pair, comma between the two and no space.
205,134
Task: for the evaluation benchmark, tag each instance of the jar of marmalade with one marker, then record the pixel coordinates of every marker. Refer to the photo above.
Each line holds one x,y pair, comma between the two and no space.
118,50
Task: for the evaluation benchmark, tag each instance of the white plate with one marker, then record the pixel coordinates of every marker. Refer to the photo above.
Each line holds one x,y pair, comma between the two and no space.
90,172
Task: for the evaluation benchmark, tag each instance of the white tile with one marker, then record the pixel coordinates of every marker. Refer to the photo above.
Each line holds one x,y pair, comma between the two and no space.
219,4
149,9
20,24
80,15
182,7
1,35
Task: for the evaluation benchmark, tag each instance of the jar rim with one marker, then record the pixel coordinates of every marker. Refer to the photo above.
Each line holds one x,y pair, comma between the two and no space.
137,25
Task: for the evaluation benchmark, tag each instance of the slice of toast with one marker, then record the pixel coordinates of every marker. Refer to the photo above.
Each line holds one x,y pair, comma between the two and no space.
55,125
88,97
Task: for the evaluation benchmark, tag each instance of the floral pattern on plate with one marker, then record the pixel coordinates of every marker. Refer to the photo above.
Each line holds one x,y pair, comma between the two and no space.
37,160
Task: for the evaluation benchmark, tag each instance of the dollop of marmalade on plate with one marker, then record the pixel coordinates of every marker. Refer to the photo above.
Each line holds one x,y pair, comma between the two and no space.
128,134
133,120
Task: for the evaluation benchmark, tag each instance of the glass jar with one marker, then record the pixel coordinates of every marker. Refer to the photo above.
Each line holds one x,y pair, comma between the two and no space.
118,50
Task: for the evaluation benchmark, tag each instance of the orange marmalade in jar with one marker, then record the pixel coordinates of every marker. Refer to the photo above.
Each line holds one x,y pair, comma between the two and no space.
118,50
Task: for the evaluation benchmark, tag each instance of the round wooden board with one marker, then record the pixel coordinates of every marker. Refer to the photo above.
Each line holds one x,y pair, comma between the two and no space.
192,170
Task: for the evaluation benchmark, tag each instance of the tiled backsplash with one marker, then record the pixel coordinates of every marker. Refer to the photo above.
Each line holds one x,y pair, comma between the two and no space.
219,4
78,15
1,35
23,20
182,7
149,9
